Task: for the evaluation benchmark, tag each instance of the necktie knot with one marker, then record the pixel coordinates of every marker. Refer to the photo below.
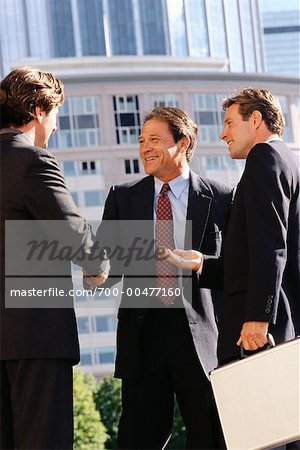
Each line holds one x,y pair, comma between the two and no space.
164,188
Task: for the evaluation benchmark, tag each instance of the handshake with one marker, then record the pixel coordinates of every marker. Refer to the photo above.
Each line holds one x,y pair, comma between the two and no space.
184,259
94,280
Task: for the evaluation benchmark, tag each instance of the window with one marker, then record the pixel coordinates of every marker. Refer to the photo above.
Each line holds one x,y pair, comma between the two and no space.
88,167
122,27
62,28
177,28
208,116
106,355
216,28
91,27
94,198
132,166
197,28
152,24
159,100
83,325
105,324
68,168
86,357
78,123
234,38
127,119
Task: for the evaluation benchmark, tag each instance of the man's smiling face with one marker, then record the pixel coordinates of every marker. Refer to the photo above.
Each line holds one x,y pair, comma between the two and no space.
161,156
239,134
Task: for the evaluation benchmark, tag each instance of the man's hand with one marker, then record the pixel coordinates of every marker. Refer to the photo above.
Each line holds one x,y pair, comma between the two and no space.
253,335
94,281
185,259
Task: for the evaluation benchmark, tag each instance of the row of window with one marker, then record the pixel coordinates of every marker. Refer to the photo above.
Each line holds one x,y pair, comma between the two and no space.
96,324
78,168
79,120
101,355
75,168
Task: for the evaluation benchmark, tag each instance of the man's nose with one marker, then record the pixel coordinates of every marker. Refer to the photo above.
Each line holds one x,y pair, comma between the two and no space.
223,135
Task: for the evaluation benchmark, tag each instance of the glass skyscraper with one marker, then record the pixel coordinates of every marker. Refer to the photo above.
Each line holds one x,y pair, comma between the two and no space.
195,28
281,36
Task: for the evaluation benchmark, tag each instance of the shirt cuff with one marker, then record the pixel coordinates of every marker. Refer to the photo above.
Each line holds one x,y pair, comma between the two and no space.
199,271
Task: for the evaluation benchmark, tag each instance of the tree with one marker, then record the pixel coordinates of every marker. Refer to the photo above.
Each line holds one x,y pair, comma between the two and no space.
108,403
89,431
178,439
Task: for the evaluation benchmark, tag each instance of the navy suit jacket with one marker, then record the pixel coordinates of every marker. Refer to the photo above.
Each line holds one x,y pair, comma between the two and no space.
262,249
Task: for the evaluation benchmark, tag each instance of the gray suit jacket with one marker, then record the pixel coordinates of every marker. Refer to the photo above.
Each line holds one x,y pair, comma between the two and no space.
208,209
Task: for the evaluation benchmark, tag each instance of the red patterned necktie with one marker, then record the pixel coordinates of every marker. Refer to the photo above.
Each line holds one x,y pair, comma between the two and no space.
165,271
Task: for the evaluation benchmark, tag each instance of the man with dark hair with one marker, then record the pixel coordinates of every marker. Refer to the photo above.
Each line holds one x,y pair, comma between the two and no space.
39,345
261,251
166,344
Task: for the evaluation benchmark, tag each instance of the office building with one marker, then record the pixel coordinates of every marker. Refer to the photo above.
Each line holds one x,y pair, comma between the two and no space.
281,36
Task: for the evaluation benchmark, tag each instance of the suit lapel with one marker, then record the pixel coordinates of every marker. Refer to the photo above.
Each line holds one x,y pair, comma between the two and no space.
199,204
142,201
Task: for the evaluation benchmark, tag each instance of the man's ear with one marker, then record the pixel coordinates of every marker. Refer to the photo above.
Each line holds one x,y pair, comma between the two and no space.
184,144
257,118
38,114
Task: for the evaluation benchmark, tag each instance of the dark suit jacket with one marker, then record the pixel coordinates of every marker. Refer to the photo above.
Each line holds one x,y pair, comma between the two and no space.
32,187
208,208
262,248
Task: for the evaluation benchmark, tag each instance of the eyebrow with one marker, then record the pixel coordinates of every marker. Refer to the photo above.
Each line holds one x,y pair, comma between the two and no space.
151,135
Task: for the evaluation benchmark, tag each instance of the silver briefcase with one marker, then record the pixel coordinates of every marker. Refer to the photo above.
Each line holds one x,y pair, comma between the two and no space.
258,398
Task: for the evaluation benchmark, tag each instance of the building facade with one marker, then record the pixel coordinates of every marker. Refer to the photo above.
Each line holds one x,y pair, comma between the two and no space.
118,59
282,41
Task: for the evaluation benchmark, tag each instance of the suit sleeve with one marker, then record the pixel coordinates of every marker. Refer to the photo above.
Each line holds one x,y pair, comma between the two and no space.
48,199
266,200
108,237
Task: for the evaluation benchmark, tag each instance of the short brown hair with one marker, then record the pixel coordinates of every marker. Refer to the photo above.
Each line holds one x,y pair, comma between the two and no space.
180,125
24,89
261,100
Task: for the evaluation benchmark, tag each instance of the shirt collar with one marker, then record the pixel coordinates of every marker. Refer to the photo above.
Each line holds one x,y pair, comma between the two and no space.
177,185
272,138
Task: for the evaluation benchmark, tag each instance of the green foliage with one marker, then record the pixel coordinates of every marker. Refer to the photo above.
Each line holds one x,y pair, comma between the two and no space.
108,403
89,431
178,439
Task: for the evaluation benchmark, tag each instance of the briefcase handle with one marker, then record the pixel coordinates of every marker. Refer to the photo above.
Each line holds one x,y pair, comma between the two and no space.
270,344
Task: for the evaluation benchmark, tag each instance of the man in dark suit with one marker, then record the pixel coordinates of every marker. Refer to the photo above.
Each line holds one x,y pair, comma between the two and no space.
261,256
39,345
261,250
166,346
